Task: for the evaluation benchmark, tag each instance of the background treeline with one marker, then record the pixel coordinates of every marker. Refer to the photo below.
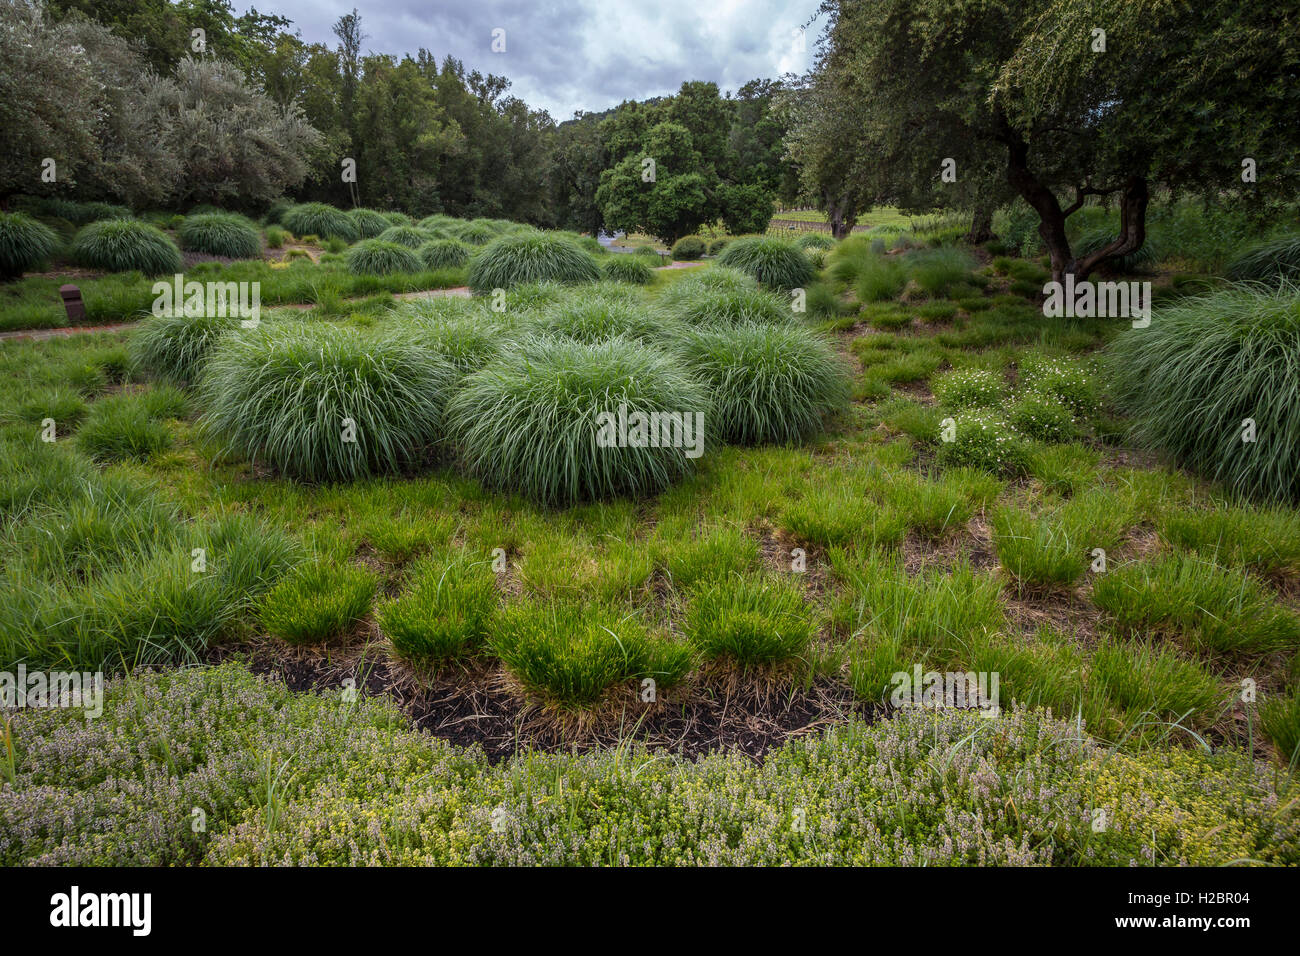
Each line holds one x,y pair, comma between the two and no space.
136,108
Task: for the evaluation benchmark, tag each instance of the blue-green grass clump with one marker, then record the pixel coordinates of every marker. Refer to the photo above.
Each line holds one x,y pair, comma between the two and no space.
221,234
1209,369
531,421
625,268
320,219
530,257
378,257
776,263
767,383
325,403
444,253
369,223
24,244
175,347
126,245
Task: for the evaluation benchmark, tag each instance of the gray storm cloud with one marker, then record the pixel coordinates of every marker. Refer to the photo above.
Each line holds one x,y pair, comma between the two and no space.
566,55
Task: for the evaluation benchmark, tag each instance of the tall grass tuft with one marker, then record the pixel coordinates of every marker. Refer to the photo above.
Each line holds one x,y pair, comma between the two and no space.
625,268
750,620
325,403
774,262
529,421
530,257
572,655
221,234
444,253
176,347
126,245
24,243
413,237
1269,261
320,219
369,223
768,383
1207,365
378,257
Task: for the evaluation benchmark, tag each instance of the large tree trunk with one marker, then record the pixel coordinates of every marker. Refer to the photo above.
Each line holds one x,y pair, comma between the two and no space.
981,227
1051,226
837,214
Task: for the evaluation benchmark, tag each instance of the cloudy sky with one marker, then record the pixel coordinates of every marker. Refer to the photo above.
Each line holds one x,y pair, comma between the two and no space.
565,55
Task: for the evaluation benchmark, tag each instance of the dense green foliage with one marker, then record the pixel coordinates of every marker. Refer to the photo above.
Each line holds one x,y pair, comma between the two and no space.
523,258
126,245
220,235
24,243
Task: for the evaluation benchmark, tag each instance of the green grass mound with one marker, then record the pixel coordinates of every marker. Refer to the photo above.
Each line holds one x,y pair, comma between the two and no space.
777,263
320,219
126,245
625,268
221,234
768,383
413,237
600,318
378,257
175,347
324,403
476,233
698,306
750,621
317,602
370,223
533,422
24,244
447,613
467,339
1268,261
530,257
819,241
573,655
1215,381
444,253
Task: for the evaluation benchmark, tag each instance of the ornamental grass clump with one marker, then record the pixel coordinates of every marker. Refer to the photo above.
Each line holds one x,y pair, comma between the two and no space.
378,257
444,253
751,621
530,257
318,601
625,268
221,234
126,245
600,318
698,306
535,421
369,223
767,383
1215,381
412,237
777,263
325,403
24,244
320,219
445,614
1269,261
573,655
175,347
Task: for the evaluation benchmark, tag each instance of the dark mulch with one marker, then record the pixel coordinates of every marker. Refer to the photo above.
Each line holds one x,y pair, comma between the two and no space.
482,705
